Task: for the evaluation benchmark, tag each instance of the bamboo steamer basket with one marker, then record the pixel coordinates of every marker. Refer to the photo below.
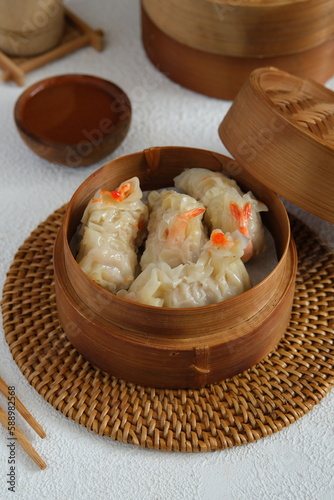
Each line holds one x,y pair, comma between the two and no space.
245,28
222,76
287,138
30,27
164,347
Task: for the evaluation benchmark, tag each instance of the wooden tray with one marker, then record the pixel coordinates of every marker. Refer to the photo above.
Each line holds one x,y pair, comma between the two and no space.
265,399
77,34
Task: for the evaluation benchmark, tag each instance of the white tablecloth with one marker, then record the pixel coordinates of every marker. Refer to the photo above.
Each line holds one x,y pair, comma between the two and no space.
296,463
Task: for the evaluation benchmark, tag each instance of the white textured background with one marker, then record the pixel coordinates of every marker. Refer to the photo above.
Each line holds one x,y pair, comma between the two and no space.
296,463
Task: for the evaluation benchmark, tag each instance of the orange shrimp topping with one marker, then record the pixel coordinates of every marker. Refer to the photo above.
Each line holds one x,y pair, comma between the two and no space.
178,228
116,195
241,215
191,213
100,199
218,238
120,194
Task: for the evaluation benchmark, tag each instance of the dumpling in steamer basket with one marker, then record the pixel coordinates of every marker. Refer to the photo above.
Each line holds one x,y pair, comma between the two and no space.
176,234
227,207
218,274
204,184
232,211
113,226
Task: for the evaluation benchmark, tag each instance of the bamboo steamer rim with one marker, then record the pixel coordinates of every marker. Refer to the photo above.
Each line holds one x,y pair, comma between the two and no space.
245,28
151,156
296,159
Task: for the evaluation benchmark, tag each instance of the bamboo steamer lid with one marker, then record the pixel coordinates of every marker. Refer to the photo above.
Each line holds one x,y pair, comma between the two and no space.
281,129
245,28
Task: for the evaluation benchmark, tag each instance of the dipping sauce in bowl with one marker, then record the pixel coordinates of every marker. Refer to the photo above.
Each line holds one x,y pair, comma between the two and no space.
73,120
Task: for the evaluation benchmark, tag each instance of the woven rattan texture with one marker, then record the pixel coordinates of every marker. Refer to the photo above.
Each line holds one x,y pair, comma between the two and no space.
259,402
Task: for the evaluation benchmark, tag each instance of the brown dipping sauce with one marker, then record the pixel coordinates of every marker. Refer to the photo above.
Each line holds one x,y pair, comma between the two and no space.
70,111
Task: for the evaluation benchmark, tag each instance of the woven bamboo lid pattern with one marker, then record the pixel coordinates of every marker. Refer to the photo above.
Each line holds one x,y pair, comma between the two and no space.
259,402
280,129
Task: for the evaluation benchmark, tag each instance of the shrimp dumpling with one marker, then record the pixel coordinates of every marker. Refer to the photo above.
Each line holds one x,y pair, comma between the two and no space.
153,285
204,184
227,207
176,233
231,211
113,225
218,274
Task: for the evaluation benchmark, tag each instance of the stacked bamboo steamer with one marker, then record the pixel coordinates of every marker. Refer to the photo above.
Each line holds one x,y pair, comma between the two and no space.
30,27
211,46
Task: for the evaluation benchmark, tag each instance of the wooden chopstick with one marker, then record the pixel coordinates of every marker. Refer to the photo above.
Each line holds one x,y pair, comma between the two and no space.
23,441
23,410
17,434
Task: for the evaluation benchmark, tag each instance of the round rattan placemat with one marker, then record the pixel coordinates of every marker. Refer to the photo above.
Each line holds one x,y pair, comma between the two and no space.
263,400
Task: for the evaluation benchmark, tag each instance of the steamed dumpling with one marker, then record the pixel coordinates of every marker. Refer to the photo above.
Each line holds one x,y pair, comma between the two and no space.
113,225
176,234
227,207
218,274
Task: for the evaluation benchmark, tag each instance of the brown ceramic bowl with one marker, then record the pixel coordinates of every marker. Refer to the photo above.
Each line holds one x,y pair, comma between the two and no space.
164,347
73,120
